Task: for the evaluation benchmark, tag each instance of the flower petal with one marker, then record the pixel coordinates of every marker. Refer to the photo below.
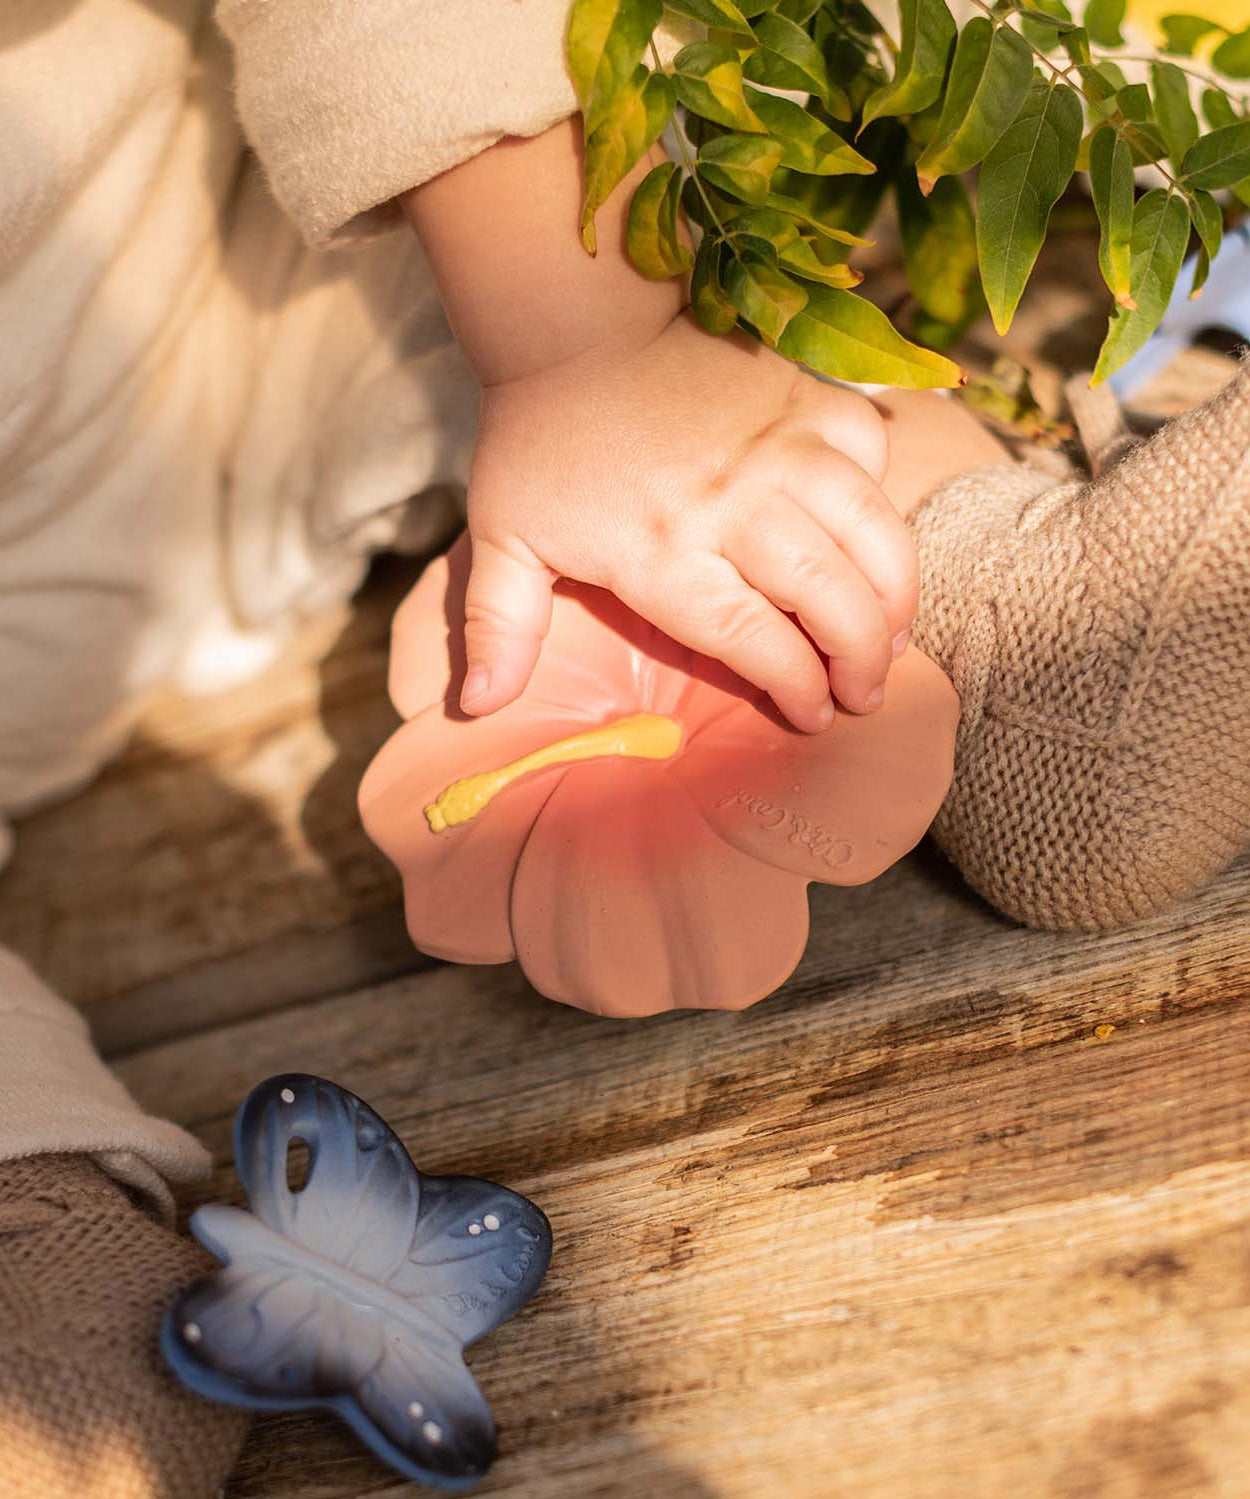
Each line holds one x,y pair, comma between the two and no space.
600,660
457,882
626,903
841,806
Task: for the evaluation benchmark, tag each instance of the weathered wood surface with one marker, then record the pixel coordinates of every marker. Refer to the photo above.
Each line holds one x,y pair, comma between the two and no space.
906,1229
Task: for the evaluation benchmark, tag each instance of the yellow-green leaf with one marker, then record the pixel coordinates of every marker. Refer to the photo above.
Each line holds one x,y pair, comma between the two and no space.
651,232
1020,182
708,80
1209,224
800,259
1181,34
765,296
1103,19
1232,56
928,34
988,80
724,15
842,335
711,304
787,57
806,143
603,45
631,127
740,165
1111,183
1220,159
1160,235
1173,110
940,248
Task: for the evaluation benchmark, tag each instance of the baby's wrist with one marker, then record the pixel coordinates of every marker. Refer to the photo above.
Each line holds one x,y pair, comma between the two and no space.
522,294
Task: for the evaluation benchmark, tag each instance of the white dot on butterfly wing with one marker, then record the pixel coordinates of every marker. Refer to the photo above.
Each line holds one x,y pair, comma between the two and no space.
191,1332
491,1222
287,1096
432,1432
416,1410
475,1229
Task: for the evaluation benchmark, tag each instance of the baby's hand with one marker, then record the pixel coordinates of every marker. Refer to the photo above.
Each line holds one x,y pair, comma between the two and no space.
716,490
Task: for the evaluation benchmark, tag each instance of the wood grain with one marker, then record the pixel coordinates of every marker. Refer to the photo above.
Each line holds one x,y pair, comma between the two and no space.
906,1229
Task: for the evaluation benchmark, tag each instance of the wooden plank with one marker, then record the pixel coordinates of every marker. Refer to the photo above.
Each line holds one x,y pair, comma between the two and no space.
906,1229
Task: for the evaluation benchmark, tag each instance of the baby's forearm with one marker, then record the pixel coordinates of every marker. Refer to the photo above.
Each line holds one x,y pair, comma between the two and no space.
522,294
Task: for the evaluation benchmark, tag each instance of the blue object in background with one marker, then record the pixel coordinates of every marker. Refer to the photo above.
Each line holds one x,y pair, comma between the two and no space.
360,1290
1224,303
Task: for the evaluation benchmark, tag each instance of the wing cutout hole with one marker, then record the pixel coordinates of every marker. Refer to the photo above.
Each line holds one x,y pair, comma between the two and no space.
298,1164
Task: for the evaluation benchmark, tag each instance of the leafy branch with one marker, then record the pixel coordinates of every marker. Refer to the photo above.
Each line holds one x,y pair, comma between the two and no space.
975,132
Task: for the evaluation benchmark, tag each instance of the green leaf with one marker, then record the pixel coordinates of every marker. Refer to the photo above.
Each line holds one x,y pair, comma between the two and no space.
1103,19
1111,181
788,58
1232,56
1217,108
631,127
1044,22
1160,236
1241,191
1209,224
810,215
708,299
1102,80
740,165
940,248
989,78
800,259
651,236
1173,110
1076,44
1144,137
708,80
928,34
723,14
799,11
842,335
1219,159
603,45
764,295
1181,34
1019,183
776,235
806,144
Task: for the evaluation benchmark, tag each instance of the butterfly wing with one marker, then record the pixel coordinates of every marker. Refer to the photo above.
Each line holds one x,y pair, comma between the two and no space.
271,1335
358,1206
477,1257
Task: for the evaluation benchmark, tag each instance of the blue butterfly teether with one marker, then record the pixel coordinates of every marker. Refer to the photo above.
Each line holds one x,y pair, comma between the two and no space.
359,1291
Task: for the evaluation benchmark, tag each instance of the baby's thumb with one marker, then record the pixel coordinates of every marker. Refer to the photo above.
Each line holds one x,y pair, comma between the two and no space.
507,612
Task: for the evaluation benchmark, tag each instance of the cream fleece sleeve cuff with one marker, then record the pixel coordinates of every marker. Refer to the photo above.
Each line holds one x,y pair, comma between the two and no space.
351,102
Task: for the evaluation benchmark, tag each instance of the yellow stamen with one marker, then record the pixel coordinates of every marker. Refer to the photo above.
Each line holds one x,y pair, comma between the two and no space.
649,736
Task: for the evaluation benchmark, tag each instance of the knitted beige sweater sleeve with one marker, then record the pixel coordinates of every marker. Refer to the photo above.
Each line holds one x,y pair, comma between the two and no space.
350,102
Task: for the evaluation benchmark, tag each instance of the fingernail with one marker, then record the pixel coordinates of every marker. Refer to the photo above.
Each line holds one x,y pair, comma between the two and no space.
476,681
874,700
826,716
900,643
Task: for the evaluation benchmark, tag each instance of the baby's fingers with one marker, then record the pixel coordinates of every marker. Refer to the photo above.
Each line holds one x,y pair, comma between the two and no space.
706,605
507,613
782,552
853,509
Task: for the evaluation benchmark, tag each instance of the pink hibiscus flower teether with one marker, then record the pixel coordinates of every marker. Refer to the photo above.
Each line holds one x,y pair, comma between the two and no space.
639,828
